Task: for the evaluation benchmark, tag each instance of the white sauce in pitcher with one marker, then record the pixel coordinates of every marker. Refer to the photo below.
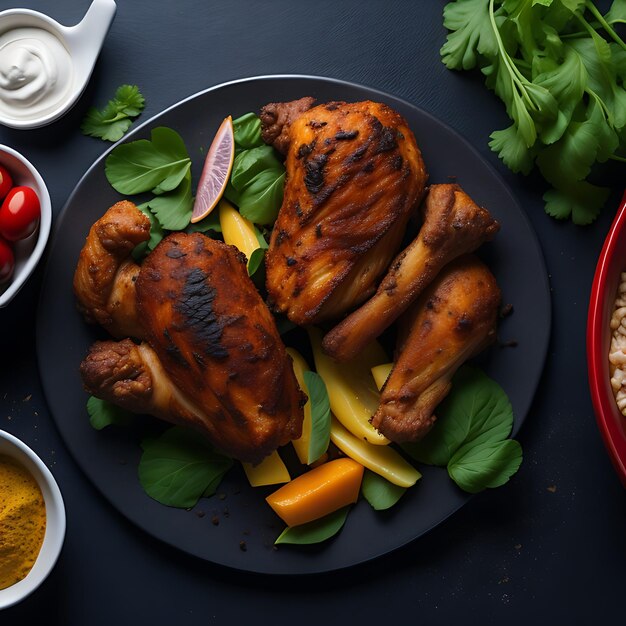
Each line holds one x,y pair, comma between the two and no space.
35,73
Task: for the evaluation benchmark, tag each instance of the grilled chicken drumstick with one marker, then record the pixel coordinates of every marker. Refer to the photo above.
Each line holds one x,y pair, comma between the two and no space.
452,321
215,360
104,280
453,225
354,178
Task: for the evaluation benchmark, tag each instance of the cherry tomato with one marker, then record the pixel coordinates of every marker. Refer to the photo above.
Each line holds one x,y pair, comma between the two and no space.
19,213
7,261
6,182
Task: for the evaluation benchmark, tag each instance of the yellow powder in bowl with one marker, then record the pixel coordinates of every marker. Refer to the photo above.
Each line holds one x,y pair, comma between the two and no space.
22,521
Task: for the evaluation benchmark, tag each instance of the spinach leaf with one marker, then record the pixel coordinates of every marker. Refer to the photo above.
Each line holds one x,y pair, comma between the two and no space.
103,413
315,531
470,434
179,467
160,163
173,209
379,492
475,467
320,415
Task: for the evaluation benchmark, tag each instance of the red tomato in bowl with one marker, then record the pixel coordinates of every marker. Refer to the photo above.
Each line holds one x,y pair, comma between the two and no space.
6,182
19,213
7,261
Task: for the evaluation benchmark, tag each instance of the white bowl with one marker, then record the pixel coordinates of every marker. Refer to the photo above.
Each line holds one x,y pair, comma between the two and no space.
28,251
55,520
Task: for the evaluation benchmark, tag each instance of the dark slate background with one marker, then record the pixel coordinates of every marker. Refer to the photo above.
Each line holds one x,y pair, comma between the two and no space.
549,546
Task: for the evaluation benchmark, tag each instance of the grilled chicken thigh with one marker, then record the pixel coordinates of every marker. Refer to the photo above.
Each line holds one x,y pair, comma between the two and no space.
452,321
214,358
354,177
453,225
104,280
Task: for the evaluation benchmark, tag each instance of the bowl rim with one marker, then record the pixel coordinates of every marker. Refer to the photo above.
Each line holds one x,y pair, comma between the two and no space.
55,521
597,357
43,232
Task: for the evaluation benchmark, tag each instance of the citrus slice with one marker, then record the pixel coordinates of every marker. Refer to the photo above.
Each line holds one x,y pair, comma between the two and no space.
216,171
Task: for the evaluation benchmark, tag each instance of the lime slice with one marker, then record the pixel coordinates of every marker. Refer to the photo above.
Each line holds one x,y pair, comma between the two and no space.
216,171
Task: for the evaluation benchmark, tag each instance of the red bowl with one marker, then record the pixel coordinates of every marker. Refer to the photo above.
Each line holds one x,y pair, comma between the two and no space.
611,264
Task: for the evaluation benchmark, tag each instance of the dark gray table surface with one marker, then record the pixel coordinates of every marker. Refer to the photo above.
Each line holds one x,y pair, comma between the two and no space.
548,546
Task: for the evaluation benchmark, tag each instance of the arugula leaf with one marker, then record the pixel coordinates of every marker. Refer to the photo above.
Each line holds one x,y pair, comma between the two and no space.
379,492
112,122
179,467
320,415
103,413
470,434
160,163
315,531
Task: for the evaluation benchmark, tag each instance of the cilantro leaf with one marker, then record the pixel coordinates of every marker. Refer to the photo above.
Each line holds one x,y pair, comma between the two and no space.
112,122
180,467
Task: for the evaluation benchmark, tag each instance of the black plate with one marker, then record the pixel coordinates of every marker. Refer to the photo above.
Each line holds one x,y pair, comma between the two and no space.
109,457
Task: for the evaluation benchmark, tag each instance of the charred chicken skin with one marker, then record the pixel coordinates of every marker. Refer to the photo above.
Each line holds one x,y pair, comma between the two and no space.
355,175
213,359
453,225
104,280
451,322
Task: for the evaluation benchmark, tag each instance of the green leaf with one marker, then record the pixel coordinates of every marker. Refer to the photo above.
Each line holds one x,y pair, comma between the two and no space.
470,434
173,209
315,531
255,261
103,413
247,131
210,222
156,234
579,200
114,120
617,13
486,465
512,149
261,198
249,163
472,34
179,467
143,165
320,415
379,492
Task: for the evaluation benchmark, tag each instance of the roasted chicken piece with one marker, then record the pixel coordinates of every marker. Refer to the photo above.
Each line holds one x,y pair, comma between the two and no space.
453,225
215,360
104,280
354,177
452,321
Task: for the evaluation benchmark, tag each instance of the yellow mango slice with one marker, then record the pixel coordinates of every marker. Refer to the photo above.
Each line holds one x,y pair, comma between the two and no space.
237,230
381,373
301,445
270,471
351,388
318,492
382,460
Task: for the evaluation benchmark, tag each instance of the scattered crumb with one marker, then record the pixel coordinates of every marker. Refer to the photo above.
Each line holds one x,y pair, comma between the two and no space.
504,580
551,488
221,496
200,514
518,546
506,310
28,397
243,546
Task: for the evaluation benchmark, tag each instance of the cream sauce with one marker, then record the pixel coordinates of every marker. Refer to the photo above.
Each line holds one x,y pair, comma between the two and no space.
35,73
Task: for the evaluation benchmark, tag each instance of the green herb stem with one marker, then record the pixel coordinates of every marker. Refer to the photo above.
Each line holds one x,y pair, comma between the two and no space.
605,25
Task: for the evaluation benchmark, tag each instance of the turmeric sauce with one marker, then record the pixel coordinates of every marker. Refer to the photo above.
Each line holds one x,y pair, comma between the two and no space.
22,521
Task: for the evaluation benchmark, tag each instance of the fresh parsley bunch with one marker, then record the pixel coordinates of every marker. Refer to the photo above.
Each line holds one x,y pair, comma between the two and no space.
560,68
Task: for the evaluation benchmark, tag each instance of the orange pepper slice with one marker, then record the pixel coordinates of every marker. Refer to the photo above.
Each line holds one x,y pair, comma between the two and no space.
318,492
